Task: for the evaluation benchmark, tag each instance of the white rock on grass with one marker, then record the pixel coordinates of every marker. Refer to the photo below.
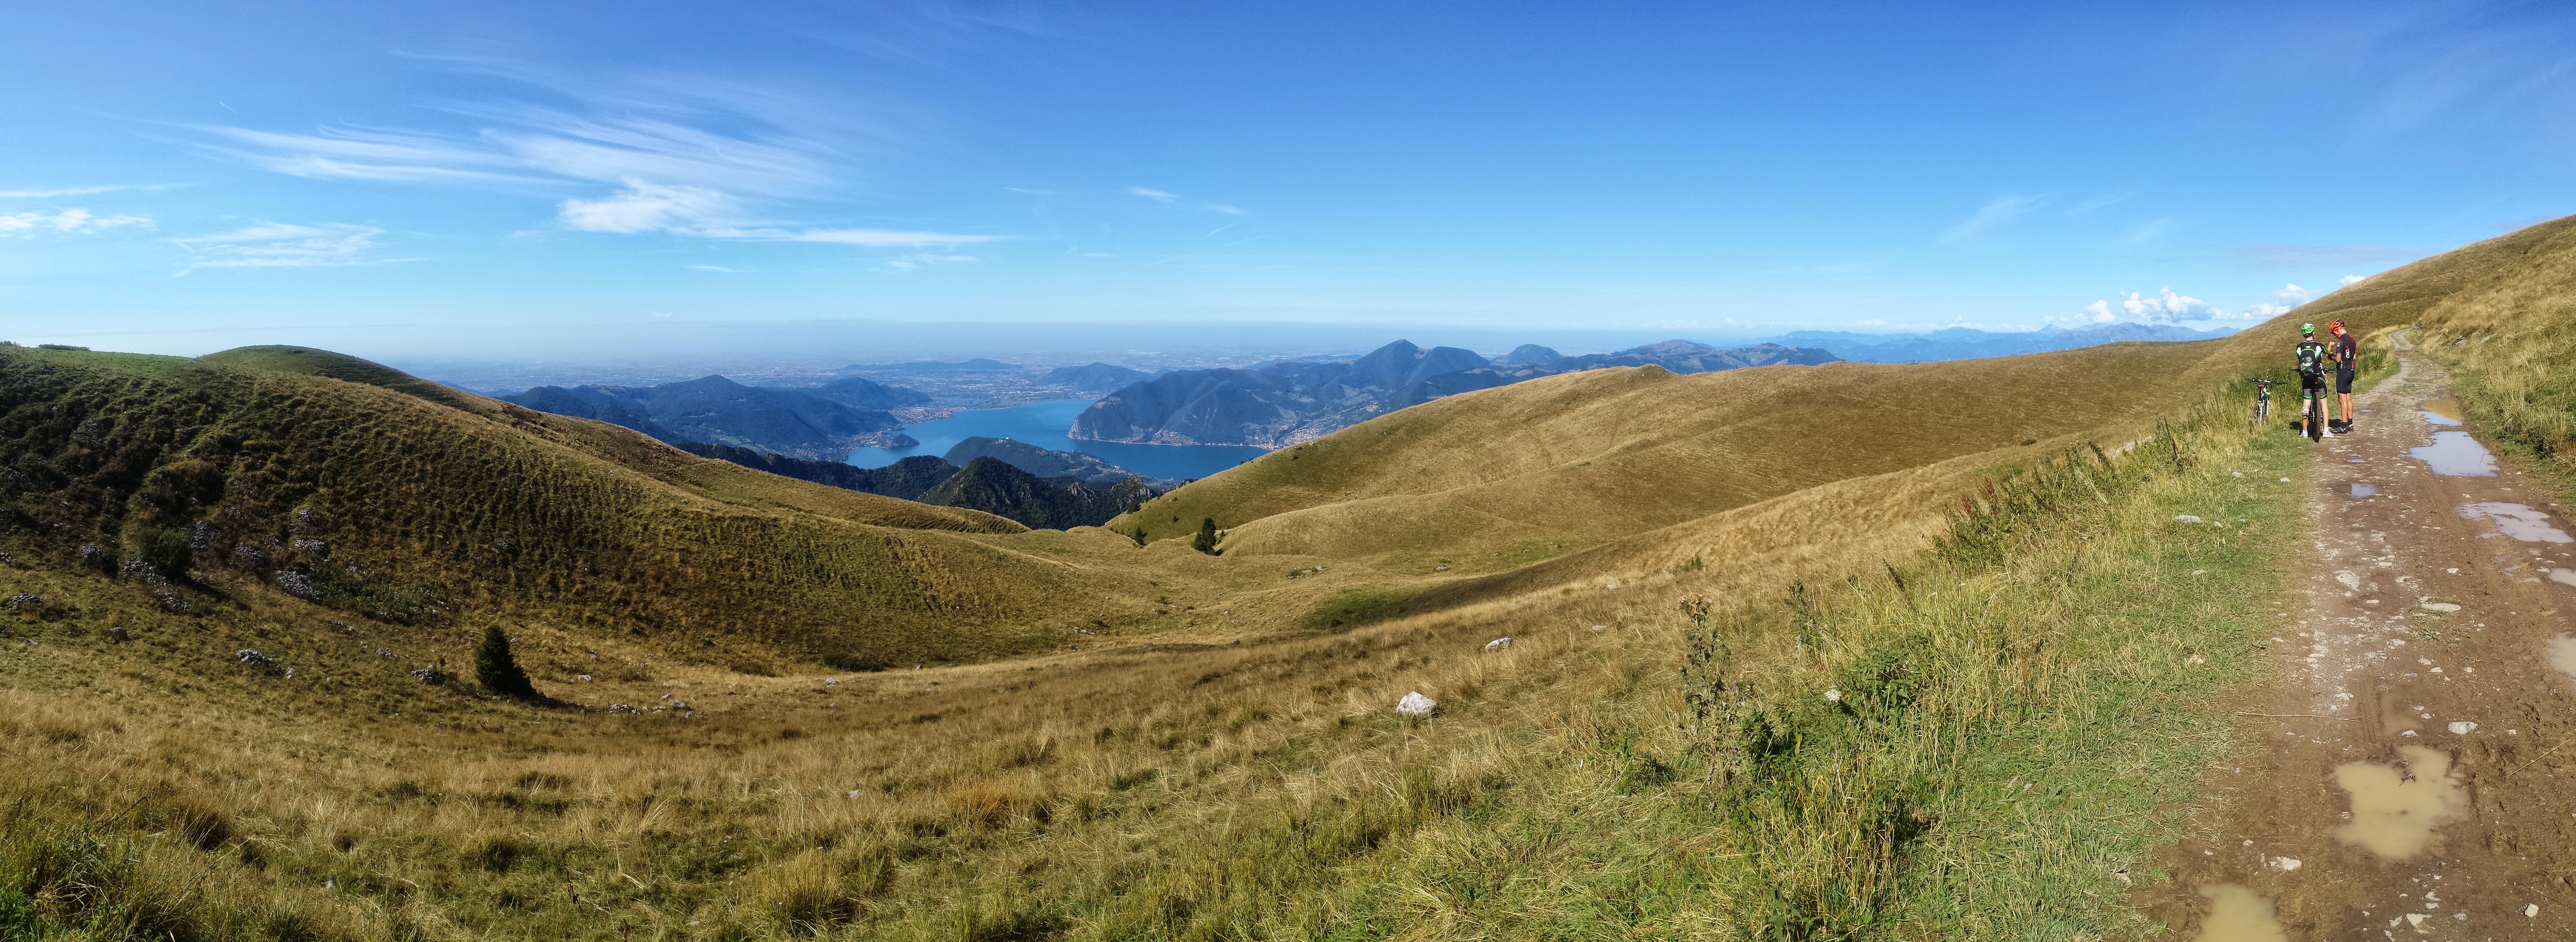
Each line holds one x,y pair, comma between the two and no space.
1498,644
2186,518
1416,705
2439,607
2462,727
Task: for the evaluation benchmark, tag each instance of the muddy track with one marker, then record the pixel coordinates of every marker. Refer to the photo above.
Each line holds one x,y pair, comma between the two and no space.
2418,779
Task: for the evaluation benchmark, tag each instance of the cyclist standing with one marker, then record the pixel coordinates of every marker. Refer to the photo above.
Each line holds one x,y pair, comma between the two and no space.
2347,353
2312,380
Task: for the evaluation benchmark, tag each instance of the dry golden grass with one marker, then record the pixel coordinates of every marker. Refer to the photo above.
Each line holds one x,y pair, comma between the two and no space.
1164,781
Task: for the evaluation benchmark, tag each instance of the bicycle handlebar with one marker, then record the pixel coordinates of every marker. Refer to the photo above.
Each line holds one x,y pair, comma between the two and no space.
2265,382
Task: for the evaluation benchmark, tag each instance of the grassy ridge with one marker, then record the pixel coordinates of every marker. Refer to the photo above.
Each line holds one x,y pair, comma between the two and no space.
1576,460
370,495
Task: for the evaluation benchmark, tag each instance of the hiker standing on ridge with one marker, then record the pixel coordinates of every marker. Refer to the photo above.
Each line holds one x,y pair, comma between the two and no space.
2347,355
2312,378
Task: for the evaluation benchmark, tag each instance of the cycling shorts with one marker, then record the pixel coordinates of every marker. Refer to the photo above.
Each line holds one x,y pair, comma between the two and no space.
2343,381
2312,388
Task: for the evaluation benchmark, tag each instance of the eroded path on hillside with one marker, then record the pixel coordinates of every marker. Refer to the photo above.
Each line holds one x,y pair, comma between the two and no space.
2420,775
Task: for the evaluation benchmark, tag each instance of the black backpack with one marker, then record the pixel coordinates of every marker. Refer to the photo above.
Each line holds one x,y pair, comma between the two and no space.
2312,360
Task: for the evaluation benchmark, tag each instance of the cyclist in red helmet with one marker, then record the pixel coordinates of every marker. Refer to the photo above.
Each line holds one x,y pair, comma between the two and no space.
2346,355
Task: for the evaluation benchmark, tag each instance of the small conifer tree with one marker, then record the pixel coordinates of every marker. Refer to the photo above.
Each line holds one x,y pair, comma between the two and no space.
497,671
1206,540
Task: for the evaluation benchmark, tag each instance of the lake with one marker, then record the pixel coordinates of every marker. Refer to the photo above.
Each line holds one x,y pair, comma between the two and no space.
1044,424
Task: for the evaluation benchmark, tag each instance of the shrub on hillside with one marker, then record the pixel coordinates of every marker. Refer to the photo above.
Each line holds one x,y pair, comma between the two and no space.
1205,542
497,670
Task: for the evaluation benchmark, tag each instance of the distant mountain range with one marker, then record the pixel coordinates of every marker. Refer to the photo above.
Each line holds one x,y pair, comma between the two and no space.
1096,377
1290,401
1961,343
992,485
810,424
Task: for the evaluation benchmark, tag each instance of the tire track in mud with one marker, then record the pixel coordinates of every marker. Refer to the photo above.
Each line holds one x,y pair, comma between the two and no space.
2418,778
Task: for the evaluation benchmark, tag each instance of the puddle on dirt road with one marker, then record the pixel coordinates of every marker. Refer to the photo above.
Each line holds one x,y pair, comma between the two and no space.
2364,490
2562,654
2237,914
2442,411
2456,454
2394,809
2563,576
2518,521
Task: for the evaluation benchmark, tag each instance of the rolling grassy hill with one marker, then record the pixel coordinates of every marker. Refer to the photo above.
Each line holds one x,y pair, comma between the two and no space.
1543,467
394,499
1149,742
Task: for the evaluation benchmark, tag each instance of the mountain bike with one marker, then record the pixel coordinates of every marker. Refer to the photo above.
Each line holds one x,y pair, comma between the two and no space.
2262,401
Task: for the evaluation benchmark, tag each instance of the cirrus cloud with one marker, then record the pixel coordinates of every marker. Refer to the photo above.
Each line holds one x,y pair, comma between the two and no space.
65,220
279,245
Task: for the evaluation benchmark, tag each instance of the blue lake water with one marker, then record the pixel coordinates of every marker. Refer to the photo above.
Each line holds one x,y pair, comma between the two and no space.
1044,424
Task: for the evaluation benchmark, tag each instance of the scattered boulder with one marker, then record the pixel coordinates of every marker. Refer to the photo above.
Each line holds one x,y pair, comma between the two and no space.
2462,727
117,634
24,602
312,547
2186,518
2444,607
296,585
256,659
171,602
1498,644
1416,705
142,572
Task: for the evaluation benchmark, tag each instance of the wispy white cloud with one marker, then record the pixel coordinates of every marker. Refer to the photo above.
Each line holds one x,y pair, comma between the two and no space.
883,237
2349,279
2102,201
649,207
919,259
652,139
2281,255
2294,294
1992,216
2152,230
1174,199
72,191
359,154
65,220
278,245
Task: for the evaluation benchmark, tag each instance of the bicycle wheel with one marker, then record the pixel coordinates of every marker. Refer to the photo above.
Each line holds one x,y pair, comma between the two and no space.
2316,420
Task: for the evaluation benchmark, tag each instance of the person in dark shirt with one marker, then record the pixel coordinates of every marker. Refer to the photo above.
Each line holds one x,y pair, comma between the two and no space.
2347,356
2314,360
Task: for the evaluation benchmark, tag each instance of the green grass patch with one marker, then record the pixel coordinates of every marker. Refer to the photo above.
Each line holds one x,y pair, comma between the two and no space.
1989,743
1352,608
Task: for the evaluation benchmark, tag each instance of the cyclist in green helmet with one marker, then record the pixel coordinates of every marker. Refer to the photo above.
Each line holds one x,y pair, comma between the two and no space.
2312,358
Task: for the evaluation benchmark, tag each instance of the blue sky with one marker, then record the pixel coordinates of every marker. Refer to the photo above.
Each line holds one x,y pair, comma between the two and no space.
185,178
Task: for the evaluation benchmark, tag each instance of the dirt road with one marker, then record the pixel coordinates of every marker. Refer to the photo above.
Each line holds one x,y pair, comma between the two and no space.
2420,780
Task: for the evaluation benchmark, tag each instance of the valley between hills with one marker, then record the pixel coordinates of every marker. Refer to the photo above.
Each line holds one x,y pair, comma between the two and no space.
1821,651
